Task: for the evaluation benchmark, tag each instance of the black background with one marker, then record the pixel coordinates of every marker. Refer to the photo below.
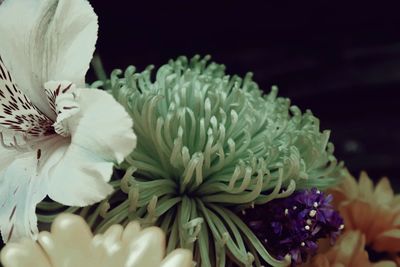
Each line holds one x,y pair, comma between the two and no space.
341,60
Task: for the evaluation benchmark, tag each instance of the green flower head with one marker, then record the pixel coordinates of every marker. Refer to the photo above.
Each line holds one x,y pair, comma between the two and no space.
210,145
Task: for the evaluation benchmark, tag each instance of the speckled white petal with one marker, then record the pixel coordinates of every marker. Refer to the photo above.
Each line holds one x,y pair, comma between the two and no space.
47,40
7,153
101,134
20,191
62,100
17,113
55,91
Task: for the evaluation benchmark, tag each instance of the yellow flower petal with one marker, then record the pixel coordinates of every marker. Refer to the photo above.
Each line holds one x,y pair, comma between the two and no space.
383,192
365,186
349,251
375,211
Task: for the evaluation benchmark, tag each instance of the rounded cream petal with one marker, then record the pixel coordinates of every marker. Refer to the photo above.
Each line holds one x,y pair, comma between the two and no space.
178,257
109,248
70,244
111,239
147,249
25,253
131,232
69,241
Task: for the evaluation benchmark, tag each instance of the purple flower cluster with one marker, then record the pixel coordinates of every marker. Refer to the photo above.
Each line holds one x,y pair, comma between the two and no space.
293,225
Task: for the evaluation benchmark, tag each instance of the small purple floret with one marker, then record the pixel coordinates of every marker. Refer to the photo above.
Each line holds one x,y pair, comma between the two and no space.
293,225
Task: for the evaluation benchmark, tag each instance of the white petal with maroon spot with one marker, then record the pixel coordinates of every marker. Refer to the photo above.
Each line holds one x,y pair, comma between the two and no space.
20,191
62,98
101,133
54,89
17,112
43,40
55,139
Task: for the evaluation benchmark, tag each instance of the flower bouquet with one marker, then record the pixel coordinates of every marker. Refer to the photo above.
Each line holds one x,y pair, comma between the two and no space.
180,166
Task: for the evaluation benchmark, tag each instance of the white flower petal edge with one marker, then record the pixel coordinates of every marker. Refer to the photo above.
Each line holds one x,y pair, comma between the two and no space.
20,191
100,135
56,139
43,40
71,244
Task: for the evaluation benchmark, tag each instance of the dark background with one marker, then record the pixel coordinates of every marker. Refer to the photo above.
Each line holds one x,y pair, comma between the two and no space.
341,60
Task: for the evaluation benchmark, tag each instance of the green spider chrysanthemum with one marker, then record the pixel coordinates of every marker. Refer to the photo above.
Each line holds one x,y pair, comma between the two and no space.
208,146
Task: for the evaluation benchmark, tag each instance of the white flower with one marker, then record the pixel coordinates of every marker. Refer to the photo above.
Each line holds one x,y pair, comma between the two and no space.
57,139
71,244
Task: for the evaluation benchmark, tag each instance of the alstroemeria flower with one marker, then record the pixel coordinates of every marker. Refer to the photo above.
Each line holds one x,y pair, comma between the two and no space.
57,139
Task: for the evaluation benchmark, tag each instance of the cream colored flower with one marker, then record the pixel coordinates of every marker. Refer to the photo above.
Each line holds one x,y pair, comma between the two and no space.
372,210
372,219
71,244
348,252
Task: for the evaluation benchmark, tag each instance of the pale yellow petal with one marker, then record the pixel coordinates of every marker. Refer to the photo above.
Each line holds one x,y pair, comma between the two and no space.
70,238
25,253
147,249
179,257
365,186
71,244
383,192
